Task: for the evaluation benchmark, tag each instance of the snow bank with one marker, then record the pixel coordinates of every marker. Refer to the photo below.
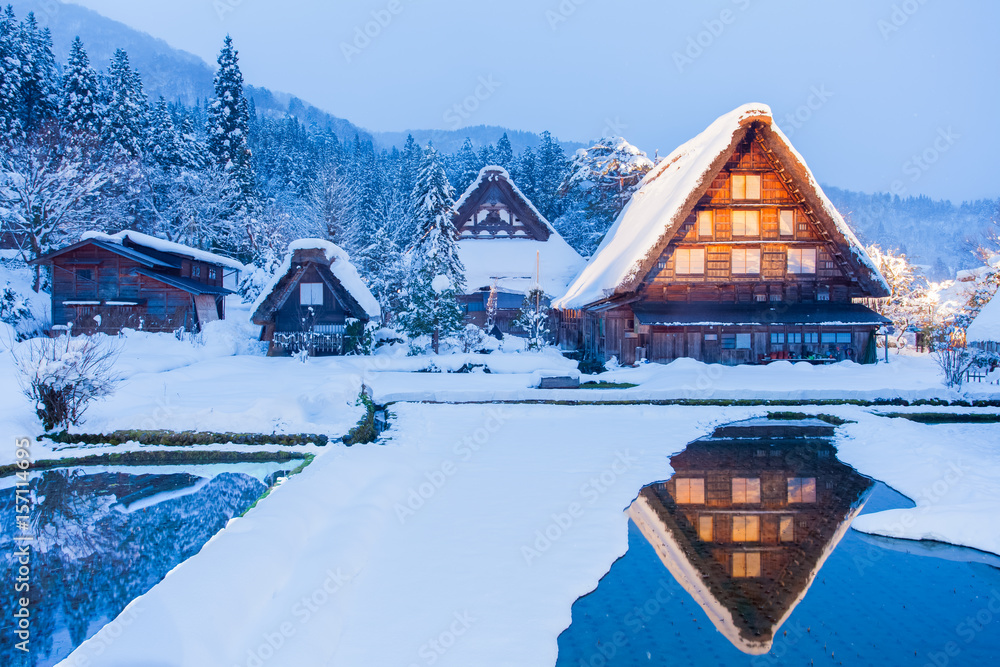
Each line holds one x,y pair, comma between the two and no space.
951,472
663,197
163,245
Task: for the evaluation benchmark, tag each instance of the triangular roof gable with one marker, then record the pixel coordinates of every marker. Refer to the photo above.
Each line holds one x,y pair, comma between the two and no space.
495,181
670,192
287,283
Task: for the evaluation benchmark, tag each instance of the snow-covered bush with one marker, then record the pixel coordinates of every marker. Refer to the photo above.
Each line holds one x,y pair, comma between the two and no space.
13,307
359,338
64,375
472,339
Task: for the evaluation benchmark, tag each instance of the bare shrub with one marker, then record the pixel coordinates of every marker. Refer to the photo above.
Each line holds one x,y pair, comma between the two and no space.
64,375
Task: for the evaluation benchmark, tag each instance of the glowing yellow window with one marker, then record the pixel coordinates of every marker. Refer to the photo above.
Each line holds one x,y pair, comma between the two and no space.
746,529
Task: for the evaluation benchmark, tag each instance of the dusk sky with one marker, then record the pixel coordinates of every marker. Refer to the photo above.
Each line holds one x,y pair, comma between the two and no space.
890,95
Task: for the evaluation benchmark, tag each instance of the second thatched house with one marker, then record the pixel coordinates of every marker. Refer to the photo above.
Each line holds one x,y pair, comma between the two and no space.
311,301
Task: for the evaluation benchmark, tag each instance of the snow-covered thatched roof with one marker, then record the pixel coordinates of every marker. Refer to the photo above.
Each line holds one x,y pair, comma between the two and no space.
493,174
339,264
986,327
669,193
510,262
162,245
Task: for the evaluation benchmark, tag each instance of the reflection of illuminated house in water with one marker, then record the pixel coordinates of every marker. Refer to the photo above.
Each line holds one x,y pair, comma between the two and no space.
745,525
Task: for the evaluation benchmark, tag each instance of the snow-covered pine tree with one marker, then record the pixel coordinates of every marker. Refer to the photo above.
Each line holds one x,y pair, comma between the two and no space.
39,102
79,104
163,145
525,174
436,275
229,126
533,318
467,165
11,53
127,112
193,151
551,172
503,154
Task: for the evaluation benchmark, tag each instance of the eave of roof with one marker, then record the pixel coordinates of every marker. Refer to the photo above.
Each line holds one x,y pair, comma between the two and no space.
185,284
755,314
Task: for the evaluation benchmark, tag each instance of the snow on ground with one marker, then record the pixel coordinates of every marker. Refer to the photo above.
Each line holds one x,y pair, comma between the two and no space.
475,524
951,472
472,526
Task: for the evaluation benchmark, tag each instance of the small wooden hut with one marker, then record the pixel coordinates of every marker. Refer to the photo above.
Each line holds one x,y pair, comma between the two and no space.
106,283
728,253
312,299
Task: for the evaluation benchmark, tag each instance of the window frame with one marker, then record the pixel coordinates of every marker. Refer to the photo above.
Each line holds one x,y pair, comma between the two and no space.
801,490
744,213
745,262
740,187
781,222
747,488
706,218
684,264
690,484
311,294
798,266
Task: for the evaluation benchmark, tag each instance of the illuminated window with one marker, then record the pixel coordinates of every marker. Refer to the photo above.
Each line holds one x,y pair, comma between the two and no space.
746,261
746,529
704,223
311,294
746,223
801,489
690,492
689,261
786,223
746,564
746,186
746,490
802,260
705,532
786,529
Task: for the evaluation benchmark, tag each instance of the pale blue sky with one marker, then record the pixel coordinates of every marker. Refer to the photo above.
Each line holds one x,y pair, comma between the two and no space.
888,79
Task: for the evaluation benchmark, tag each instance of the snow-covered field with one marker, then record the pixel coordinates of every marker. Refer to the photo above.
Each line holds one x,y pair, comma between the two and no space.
476,524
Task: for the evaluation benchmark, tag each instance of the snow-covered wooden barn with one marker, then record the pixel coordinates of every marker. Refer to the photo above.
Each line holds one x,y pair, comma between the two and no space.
108,282
311,299
729,252
502,237
984,331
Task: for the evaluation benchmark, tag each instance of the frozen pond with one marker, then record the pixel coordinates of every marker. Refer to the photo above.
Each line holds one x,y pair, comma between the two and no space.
745,556
107,535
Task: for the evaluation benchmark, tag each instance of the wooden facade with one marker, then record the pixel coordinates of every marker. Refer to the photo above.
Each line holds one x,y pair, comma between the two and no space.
105,286
308,308
754,268
752,521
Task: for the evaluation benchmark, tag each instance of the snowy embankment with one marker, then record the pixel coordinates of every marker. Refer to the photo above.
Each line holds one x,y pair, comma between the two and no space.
906,377
471,526
951,472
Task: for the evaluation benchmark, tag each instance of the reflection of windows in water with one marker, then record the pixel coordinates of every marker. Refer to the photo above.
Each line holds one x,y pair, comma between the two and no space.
746,529
746,564
746,490
786,529
801,489
690,492
705,531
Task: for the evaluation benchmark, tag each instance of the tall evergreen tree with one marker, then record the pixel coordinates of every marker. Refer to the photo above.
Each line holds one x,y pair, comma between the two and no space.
525,174
503,154
193,151
39,101
164,145
229,125
79,105
437,275
11,53
468,165
552,167
126,115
